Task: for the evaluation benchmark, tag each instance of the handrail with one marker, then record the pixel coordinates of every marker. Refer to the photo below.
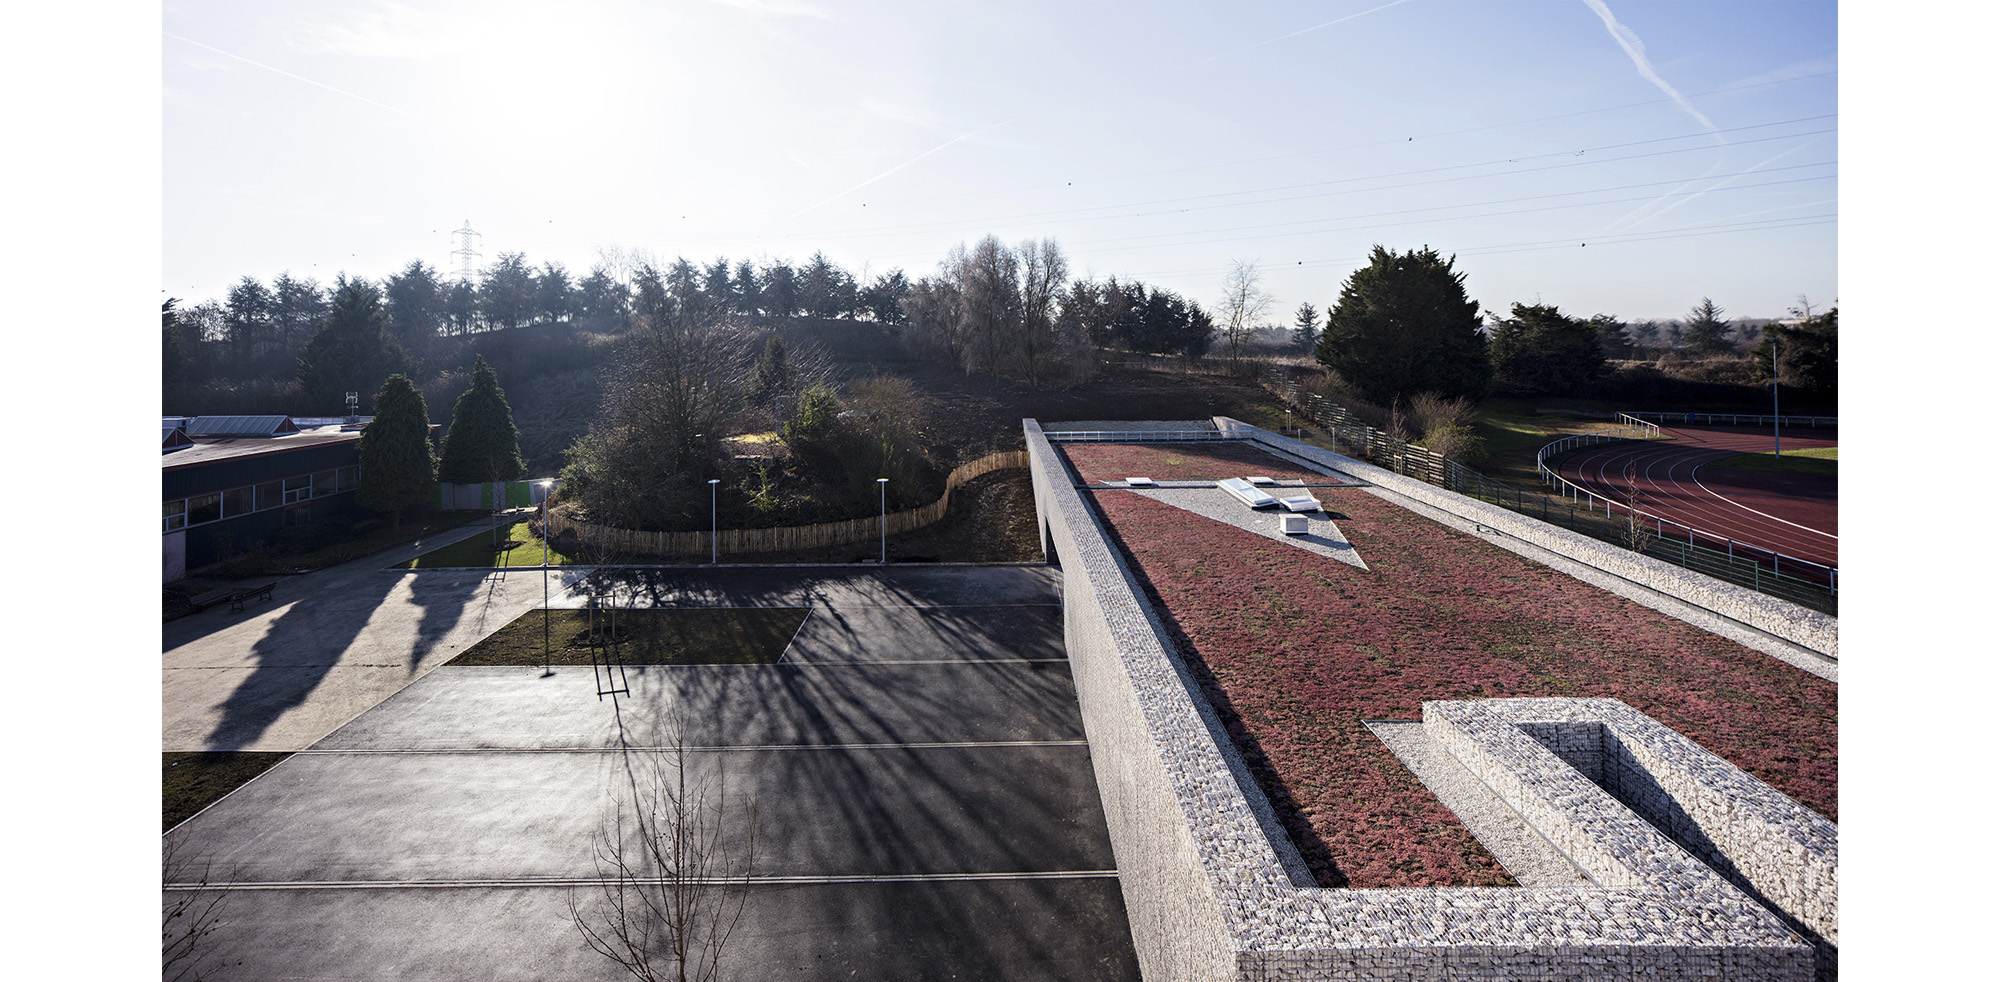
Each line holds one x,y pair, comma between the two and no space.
1590,499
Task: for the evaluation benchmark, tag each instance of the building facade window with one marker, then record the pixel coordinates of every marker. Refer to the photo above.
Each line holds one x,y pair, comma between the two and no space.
236,501
216,506
204,508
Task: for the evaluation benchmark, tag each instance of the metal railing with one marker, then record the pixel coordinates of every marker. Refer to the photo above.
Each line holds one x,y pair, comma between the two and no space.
1798,581
1761,562
1738,419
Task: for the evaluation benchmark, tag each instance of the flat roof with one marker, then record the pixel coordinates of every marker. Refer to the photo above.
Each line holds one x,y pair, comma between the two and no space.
210,451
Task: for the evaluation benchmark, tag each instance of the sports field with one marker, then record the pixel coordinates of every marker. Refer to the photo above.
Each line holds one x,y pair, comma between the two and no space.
1683,483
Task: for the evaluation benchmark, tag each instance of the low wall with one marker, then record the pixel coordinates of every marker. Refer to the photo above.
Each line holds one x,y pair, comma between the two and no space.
1806,628
1215,890
1654,789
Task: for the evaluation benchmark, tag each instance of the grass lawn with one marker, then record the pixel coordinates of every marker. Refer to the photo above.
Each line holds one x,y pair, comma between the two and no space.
190,782
651,636
1512,432
518,547
1814,461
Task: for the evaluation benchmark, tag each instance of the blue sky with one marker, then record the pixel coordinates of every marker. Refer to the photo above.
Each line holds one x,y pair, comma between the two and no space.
1619,157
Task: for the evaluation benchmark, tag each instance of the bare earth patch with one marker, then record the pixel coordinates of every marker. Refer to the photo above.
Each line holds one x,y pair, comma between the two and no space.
1297,650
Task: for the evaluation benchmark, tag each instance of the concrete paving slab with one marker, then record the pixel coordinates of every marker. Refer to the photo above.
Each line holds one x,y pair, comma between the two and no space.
821,812
852,633
977,931
338,644
978,852
724,705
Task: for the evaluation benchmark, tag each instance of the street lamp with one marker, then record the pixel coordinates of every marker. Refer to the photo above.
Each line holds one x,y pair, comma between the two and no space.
1777,447
713,550
882,485
1288,420
547,665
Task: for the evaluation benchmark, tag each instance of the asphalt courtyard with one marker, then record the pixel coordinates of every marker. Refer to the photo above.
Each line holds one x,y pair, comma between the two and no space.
924,801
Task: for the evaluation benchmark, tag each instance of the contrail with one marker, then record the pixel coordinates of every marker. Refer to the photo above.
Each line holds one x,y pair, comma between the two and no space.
1300,31
287,74
1636,215
1637,52
904,164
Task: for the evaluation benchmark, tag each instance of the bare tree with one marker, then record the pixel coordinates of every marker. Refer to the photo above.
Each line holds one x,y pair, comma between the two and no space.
1636,536
1049,344
671,886
678,374
1244,301
190,913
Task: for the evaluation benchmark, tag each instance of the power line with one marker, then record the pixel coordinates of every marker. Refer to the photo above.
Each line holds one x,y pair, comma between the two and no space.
1353,147
1058,216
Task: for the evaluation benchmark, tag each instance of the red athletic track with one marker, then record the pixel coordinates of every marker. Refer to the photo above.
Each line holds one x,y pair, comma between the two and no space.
1782,513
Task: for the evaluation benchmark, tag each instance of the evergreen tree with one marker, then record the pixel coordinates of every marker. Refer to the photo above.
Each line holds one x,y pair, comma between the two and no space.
1305,327
1808,354
1544,351
1403,326
482,443
1705,332
398,466
507,294
352,349
173,356
415,299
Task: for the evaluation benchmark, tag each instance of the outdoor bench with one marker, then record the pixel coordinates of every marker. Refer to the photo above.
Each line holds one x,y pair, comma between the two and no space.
240,597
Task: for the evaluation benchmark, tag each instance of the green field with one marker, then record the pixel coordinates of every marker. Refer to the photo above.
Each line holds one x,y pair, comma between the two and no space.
649,636
517,547
1814,461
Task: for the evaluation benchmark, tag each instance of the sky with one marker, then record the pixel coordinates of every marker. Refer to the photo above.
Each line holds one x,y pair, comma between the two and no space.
1604,156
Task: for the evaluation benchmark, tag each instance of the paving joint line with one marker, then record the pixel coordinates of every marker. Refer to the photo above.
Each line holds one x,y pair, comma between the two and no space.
573,881
704,748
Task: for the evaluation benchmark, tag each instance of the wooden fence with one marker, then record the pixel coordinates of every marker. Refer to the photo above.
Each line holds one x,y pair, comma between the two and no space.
604,540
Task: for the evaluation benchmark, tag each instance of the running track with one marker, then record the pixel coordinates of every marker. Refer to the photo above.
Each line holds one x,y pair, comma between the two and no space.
1783,513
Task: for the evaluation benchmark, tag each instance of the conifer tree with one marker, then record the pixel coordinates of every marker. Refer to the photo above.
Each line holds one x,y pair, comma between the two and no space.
482,443
398,466
1404,326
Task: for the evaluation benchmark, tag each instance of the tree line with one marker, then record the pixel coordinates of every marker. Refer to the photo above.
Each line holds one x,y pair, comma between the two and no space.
1403,326
264,331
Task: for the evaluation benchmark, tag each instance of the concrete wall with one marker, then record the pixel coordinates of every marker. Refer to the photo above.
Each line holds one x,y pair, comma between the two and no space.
1215,890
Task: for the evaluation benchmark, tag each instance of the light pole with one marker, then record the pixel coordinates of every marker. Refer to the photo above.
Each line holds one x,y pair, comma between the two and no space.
713,549
1777,449
882,485
1288,420
547,666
